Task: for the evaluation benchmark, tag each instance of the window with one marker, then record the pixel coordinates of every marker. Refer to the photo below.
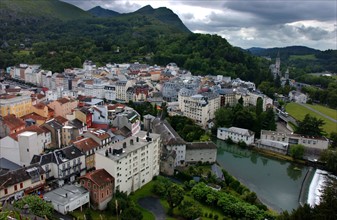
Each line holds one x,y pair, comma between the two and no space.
107,192
21,185
6,191
15,187
102,195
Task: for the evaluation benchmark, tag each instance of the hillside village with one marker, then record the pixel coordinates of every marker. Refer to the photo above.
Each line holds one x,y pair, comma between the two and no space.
73,135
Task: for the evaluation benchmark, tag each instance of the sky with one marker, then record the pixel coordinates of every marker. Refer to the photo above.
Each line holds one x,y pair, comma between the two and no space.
247,23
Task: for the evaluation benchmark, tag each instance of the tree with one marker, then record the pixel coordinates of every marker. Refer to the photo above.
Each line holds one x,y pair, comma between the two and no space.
297,151
333,138
190,210
330,157
310,126
259,106
174,196
37,206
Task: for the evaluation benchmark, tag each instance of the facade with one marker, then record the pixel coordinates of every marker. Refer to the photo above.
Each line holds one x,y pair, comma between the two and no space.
43,110
19,182
67,198
298,97
199,107
10,124
64,164
100,185
13,104
84,114
63,106
121,88
320,143
99,136
236,135
22,146
88,146
133,162
128,118
275,146
110,92
201,151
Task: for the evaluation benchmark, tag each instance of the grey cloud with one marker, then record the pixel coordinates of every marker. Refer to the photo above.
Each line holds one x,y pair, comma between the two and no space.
286,11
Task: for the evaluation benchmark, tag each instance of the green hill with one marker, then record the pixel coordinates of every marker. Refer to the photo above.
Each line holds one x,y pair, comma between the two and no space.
98,11
40,9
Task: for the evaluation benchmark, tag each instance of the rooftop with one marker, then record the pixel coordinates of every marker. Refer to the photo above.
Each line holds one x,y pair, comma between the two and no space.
65,194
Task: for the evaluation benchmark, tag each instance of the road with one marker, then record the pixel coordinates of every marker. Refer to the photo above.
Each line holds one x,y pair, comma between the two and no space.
320,113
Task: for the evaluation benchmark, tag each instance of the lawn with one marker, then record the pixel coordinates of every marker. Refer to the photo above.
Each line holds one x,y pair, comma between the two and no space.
302,57
147,191
325,110
298,112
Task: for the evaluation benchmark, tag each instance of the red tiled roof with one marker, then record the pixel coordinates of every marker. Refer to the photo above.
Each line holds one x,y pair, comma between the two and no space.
86,144
101,126
12,90
32,128
40,105
40,96
60,119
33,116
13,122
7,96
63,100
99,177
118,105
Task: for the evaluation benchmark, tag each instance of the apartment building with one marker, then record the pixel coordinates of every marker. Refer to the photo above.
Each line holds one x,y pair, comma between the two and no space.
121,88
18,105
199,107
63,106
133,162
64,164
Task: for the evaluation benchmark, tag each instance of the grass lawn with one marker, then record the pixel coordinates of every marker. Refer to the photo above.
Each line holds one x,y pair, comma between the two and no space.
298,112
302,57
325,110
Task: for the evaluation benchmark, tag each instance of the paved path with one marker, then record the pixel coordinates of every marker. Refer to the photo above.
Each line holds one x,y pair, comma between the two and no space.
153,205
320,113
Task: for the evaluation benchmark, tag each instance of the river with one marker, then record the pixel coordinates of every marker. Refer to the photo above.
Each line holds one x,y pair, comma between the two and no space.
277,183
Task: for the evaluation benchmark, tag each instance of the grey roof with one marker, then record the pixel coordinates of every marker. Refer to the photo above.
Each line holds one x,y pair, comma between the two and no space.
76,123
8,165
217,171
201,145
58,156
65,194
167,133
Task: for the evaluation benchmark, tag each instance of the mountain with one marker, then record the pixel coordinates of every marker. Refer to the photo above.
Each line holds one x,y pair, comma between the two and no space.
19,10
163,14
285,52
98,11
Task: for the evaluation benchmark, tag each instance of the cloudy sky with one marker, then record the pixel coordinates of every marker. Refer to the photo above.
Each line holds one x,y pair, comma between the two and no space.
247,23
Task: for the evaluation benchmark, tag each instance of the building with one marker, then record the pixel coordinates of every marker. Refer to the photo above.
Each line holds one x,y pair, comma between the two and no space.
100,185
297,97
18,105
127,118
23,145
199,107
43,110
63,106
275,146
10,124
88,146
64,165
319,143
204,152
100,136
67,198
19,182
236,135
121,88
133,162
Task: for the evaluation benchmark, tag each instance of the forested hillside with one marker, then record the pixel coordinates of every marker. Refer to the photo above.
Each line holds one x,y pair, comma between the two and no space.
154,36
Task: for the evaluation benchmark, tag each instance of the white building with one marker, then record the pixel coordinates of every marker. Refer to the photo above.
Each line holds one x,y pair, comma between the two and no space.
133,162
22,146
236,135
201,152
64,164
199,107
307,141
298,97
67,198
110,92
121,88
